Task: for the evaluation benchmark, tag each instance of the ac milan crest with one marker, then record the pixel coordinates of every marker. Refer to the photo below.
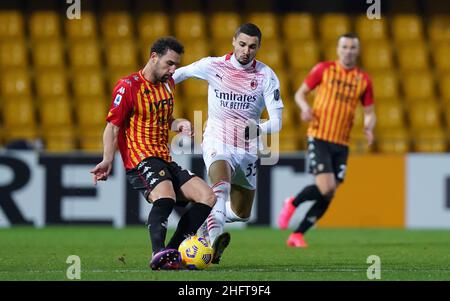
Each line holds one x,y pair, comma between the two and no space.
254,84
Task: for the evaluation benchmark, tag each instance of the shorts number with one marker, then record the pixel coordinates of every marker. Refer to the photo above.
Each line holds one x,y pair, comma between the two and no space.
251,169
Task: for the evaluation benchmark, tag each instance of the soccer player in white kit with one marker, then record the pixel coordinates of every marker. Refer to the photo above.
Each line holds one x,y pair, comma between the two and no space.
239,88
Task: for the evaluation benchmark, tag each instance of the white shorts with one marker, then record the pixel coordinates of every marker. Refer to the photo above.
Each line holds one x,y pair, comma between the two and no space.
244,164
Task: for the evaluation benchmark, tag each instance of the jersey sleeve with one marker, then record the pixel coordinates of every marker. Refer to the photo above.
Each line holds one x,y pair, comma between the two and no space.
197,69
272,96
367,96
121,104
314,77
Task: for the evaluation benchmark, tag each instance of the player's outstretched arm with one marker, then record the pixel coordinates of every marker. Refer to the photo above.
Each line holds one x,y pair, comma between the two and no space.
103,169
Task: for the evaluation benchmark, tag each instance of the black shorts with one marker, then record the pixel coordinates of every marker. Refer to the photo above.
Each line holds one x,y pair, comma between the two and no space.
326,156
151,171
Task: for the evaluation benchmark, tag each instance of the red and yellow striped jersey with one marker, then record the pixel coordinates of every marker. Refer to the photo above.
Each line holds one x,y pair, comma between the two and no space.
143,111
338,92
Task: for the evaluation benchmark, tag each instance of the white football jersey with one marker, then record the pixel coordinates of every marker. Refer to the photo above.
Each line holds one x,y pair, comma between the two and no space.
236,93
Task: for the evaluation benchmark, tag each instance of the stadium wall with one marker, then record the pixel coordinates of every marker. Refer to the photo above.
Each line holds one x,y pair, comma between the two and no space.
379,191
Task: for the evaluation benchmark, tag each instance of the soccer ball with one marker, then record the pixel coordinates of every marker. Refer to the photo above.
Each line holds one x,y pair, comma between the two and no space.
196,253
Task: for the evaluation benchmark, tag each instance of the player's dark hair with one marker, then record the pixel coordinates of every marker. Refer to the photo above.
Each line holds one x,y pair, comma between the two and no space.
350,35
249,29
162,45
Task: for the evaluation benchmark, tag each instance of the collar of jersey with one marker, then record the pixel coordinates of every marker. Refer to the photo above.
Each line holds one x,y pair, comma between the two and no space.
238,65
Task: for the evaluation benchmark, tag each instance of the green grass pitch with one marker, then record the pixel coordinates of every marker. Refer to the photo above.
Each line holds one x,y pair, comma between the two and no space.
254,253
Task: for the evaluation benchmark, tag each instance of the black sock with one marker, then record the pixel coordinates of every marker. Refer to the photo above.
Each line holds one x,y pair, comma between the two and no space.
309,193
314,214
157,222
189,224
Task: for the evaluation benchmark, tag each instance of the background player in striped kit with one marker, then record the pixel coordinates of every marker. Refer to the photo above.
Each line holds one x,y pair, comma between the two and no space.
340,85
239,87
138,124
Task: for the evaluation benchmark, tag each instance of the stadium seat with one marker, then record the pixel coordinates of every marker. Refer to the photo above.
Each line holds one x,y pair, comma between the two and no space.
115,26
303,55
52,82
91,140
59,139
121,55
390,115
84,28
91,114
329,50
194,51
84,53
439,29
189,26
369,30
407,27
412,57
224,24
271,54
267,23
88,82
441,57
44,25
194,88
19,112
222,47
332,25
424,115
358,142
113,76
444,87
15,82
55,112
430,141
48,53
296,78
418,85
392,141
385,84
288,140
377,56
196,104
11,25
153,25
13,53
298,26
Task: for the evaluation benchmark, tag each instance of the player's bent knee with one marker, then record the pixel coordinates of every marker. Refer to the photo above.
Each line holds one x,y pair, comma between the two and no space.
207,197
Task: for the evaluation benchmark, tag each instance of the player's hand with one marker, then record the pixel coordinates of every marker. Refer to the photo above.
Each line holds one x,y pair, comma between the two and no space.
184,127
101,171
307,114
369,136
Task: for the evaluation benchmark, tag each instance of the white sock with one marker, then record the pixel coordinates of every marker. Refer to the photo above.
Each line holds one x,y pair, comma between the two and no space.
231,216
216,219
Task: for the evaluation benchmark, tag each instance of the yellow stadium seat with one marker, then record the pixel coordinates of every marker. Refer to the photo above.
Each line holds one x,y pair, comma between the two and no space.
59,139
222,47
91,140
271,54
84,28
390,115
44,24
418,85
288,140
441,57
196,104
393,141
303,55
439,28
19,112
190,26
91,114
117,26
51,83
358,142
48,53
377,56
297,77
444,87
446,111
430,140
194,51
329,49
224,24
113,76
298,26
412,57
267,23
84,53
424,115
153,25
11,24
88,82
371,29
332,25
195,88
385,84
407,27
55,112
13,53
121,55
15,82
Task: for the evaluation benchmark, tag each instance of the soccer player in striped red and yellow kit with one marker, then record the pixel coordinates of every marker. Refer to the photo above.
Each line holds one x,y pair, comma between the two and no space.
138,124
340,86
